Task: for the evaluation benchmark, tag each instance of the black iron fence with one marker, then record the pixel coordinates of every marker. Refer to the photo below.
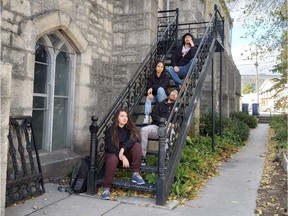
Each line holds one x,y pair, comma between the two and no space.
24,174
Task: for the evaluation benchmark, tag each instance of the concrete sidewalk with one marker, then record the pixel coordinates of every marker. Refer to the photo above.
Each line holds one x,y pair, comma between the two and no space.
233,192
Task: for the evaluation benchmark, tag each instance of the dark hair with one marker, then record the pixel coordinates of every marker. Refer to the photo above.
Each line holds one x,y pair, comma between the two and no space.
134,133
186,34
157,62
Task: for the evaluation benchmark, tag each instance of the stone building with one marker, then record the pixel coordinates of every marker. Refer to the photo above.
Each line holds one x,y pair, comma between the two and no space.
65,61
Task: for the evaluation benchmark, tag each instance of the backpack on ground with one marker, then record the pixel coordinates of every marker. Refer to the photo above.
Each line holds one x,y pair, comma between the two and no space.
78,183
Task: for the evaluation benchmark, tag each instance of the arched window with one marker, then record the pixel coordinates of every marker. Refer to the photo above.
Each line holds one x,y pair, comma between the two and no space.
53,92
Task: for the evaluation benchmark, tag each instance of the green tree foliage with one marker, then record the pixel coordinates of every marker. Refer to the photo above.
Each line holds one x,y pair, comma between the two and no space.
266,24
280,89
247,89
264,21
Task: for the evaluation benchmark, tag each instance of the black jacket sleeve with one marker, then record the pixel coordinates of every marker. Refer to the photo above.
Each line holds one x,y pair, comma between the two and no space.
164,81
128,144
178,60
109,146
155,114
125,139
149,83
176,56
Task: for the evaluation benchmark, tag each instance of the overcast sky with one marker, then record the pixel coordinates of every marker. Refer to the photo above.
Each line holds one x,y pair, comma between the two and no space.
242,45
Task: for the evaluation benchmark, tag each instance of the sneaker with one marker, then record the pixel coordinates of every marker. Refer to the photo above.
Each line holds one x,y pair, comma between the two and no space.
146,119
143,161
106,194
136,178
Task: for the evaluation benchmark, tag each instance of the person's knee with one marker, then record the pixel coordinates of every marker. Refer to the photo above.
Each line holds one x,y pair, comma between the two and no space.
148,100
160,90
144,132
170,69
112,159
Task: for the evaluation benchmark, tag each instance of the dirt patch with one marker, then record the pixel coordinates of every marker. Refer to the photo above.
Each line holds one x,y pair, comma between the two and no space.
272,193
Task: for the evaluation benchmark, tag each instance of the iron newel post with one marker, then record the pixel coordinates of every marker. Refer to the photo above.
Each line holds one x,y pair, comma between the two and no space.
91,177
161,193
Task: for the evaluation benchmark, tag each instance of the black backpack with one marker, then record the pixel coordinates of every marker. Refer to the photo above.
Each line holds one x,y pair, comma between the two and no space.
78,183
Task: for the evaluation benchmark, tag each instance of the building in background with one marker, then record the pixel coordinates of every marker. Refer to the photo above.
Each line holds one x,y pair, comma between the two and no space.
65,61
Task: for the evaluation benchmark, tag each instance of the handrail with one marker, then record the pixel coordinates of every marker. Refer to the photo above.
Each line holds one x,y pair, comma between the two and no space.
184,107
132,94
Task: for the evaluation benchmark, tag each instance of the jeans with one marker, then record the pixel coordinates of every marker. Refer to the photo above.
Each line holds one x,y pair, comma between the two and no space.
183,70
161,95
150,131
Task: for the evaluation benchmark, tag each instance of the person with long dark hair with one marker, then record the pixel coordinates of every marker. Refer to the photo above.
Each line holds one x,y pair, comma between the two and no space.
122,147
156,88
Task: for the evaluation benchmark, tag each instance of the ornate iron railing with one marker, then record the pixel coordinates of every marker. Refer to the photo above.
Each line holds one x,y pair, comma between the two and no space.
132,94
181,117
24,174
173,135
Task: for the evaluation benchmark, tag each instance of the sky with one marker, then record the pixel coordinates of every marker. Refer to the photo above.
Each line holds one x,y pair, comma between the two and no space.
242,45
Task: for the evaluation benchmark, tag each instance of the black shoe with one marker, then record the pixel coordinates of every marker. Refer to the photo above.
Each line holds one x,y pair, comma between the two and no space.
143,162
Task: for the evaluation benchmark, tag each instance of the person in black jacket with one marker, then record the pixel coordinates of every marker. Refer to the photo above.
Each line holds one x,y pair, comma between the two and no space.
181,59
160,110
122,145
156,88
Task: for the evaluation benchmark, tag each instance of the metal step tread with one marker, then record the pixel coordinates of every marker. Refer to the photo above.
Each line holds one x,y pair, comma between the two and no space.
128,184
150,169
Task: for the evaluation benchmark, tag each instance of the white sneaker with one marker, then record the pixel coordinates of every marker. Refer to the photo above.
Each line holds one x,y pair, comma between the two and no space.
146,119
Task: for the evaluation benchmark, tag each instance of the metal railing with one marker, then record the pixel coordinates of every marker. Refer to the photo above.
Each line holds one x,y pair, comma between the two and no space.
183,110
24,173
132,94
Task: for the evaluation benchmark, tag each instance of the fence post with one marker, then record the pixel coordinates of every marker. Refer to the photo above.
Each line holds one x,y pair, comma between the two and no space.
161,193
91,189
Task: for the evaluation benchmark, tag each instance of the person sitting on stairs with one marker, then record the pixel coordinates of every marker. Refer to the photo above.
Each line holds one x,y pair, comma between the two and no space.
122,146
181,60
160,110
156,88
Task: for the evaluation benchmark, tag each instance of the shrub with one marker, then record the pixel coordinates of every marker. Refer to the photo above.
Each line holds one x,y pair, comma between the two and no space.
251,121
206,124
235,128
279,124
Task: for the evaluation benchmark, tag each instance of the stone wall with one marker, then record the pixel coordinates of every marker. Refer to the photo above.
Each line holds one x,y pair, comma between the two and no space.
230,86
88,26
110,39
5,83
135,29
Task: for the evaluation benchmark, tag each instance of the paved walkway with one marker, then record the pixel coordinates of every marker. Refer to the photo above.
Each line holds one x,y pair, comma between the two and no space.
232,193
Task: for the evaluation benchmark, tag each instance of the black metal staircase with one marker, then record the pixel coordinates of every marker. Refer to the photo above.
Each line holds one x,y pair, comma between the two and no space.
212,37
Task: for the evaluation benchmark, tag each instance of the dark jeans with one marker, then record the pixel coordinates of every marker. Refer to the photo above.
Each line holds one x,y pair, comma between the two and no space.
134,155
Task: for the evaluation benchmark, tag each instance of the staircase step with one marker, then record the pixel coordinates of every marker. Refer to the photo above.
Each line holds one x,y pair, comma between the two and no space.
127,184
150,169
149,152
264,119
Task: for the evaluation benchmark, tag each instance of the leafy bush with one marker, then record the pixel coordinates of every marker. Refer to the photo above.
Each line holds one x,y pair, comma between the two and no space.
206,124
251,121
235,128
279,124
198,163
